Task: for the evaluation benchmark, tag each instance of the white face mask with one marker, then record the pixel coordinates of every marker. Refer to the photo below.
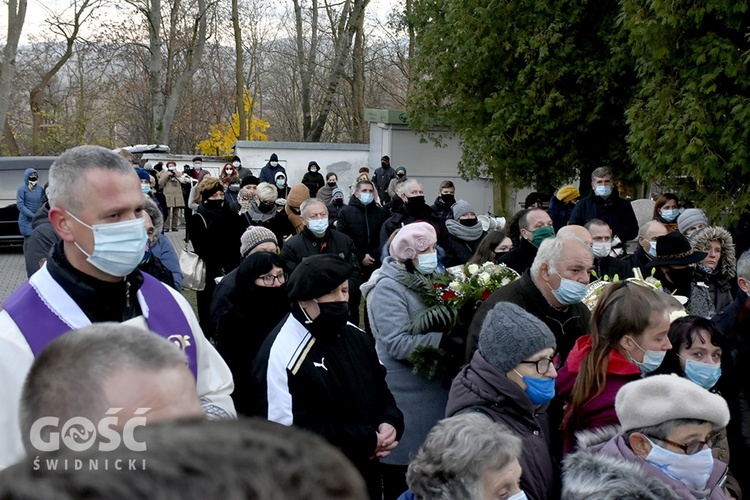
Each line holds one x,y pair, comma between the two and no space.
274,163
236,164
118,247
518,496
691,470
652,249
601,249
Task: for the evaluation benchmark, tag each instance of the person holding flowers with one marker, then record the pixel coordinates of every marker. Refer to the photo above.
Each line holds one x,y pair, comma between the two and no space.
391,307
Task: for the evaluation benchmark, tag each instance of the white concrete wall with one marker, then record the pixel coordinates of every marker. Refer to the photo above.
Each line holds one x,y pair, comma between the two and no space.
343,159
428,163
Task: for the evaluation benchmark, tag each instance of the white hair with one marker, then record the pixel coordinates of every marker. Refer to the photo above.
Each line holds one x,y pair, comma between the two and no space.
266,192
551,250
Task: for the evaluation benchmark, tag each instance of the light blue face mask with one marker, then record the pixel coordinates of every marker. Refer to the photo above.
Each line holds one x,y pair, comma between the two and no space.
518,496
365,198
318,226
427,263
703,374
603,191
670,215
651,359
118,247
652,249
145,188
570,292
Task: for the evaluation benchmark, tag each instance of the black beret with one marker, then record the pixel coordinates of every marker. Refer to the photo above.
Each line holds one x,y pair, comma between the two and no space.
318,275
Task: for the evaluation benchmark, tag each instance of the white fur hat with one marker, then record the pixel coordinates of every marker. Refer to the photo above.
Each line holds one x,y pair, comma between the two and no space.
658,399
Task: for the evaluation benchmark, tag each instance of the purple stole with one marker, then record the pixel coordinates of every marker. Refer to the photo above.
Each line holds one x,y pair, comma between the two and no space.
43,311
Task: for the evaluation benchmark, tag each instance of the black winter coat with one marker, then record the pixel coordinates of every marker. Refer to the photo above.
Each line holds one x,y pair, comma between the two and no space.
306,244
638,259
313,181
615,211
521,257
215,235
458,251
559,212
611,266
440,209
479,387
41,241
332,385
382,178
243,315
362,223
401,215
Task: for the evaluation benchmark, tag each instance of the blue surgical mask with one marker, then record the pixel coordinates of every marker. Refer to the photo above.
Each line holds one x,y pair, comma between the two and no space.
603,191
652,249
145,188
670,215
703,374
281,183
651,359
197,166
118,247
365,198
570,292
539,390
518,496
427,263
693,470
318,226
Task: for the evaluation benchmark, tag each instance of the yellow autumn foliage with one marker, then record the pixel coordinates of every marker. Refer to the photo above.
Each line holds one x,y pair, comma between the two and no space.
223,135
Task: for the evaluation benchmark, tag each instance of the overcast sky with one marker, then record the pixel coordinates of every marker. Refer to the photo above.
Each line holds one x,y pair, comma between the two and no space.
38,11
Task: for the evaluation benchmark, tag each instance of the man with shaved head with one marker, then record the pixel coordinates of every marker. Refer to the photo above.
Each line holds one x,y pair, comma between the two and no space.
645,250
605,265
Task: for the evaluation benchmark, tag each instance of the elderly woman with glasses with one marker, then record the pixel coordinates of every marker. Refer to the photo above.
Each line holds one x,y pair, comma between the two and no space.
511,379
662,449
247,306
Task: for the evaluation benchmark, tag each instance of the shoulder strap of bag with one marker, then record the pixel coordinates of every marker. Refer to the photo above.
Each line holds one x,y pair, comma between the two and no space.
187,241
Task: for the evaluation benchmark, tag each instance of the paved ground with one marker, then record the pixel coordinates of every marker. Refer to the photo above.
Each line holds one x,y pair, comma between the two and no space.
13,266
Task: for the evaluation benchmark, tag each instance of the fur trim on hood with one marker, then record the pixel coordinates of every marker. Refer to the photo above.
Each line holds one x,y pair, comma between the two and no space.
699,240
590,475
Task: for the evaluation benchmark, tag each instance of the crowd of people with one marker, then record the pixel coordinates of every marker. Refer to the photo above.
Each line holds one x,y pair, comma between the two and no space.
610,368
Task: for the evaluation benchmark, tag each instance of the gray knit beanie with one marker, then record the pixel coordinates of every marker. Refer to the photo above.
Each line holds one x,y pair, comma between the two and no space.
460,208
689,218
509,335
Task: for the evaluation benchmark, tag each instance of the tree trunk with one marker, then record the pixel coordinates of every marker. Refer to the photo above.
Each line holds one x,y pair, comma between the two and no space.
153,17
350,19
239,72
10,140
16,17
412,45
358,86
194,55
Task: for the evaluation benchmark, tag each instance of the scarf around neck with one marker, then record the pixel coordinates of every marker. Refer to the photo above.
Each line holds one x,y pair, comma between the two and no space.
462,232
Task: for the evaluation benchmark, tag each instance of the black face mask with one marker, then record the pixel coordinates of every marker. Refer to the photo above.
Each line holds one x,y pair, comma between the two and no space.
448,199
681,278
415,201
265,207
332,318
33,179
469,222
400,175
214,204
498,255
385,164
295,211
338,202
332,184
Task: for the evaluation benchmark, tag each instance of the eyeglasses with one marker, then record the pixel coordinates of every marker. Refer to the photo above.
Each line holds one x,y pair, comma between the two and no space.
542,366
269,279
691,448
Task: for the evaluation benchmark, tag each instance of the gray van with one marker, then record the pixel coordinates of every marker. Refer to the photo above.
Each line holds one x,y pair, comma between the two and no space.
11,177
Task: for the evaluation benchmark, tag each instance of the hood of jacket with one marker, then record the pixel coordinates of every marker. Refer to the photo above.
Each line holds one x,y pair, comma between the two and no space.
699,240
589,474
389,269
27,173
